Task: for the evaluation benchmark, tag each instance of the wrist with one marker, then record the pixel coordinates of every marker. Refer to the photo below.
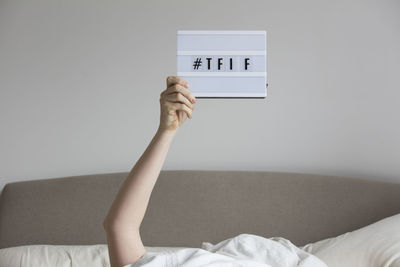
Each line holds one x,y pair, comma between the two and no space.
164,134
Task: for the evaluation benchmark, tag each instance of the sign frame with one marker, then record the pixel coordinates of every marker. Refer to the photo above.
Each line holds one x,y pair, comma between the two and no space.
218,47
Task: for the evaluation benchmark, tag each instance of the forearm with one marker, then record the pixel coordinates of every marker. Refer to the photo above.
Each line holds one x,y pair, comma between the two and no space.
130,204
123,220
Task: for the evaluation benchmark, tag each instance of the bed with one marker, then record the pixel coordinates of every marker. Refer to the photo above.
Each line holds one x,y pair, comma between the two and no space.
191,206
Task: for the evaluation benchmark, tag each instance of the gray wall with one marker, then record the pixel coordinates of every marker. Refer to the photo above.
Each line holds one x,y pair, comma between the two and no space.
80,83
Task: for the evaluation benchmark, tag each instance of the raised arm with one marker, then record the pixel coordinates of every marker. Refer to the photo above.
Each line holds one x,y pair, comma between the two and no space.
123,220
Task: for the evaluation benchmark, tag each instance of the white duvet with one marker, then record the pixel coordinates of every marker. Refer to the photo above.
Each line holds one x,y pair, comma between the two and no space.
374,245
242,250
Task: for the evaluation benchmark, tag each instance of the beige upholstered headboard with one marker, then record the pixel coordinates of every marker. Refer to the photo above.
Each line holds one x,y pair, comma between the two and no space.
188,207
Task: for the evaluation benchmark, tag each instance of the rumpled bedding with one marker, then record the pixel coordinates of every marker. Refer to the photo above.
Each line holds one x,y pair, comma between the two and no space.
242,250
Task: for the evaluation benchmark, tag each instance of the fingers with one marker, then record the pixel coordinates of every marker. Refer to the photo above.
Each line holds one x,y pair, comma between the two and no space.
171,80
182,107
177,84
179,98
176,88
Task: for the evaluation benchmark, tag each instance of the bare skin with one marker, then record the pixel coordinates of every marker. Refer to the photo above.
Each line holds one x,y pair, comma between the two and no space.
123,220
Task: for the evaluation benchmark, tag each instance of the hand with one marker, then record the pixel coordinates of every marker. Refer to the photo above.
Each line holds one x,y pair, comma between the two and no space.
177,103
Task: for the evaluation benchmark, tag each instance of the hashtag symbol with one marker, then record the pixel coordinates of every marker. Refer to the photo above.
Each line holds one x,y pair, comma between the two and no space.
197,63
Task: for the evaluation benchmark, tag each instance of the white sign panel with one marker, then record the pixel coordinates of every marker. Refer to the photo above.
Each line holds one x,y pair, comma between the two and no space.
223,63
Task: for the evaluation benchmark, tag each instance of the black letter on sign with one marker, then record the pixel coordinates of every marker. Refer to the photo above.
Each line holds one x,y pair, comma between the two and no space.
230,61
208,62
246,62
219,63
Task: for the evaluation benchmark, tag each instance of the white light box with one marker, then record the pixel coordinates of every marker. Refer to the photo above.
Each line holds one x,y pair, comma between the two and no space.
227,64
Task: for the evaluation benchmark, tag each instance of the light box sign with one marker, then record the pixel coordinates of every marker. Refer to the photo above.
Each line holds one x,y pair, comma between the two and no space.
223,63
